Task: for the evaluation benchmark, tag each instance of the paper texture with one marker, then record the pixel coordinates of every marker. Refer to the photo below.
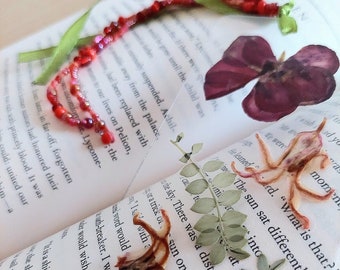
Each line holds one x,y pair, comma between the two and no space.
148,88
96,242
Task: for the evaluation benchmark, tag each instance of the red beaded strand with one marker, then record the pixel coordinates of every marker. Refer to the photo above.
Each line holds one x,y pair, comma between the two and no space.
259,7
85,56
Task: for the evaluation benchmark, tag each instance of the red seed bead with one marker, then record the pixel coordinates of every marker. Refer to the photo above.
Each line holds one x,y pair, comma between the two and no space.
80,96
74,68
155,7
107,30
76,59
57,78
248,7
65,71
98,47
82,51
261,5
99,126
163,4
54,84
69,119
86,123
88,52
114,26
105,41
74,89
107,137
271,9
84,105
59,111
85,60
52,96
73,122
121,21
97,38
141,16
66,116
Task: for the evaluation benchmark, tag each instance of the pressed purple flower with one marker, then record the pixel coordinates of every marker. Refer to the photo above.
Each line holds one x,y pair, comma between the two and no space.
303,79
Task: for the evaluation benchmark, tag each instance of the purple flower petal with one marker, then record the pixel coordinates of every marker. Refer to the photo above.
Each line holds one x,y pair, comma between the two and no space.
226,76
273,97
253,111
253,51
304,78
292,84
311,86
241,62
317,56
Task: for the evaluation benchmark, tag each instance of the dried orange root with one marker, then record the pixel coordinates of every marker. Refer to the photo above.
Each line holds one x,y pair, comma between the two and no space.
304,148
156,256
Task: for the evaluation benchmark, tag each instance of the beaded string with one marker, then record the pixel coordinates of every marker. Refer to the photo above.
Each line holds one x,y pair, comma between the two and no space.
110,34
85,56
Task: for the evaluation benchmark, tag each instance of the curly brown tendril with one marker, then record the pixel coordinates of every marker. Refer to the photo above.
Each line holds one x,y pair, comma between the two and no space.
304,148
156,256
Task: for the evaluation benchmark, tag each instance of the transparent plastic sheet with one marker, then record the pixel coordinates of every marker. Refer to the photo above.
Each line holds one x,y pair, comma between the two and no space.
68,169
237,124
225,122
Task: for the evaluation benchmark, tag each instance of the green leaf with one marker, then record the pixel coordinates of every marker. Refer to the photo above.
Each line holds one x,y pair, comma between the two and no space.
189,170
196,148
238,254
230,232
223,179
24,57
218,6
212,165
287,24
66,45
277,264
217,253
232,217
262,263
235,236
229,197
85,41
286,8
208,237
197,186
203,205
237,242
206,222
48,52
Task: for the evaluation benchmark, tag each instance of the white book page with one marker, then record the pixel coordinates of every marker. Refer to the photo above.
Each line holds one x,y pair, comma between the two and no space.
57,174
224,122
48,168
96,242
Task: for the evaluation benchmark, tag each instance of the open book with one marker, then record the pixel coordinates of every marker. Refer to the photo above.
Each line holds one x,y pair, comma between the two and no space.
67,202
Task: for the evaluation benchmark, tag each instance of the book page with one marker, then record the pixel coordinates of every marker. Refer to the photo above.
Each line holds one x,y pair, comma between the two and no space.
272,229
225,124
47,167
147,86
